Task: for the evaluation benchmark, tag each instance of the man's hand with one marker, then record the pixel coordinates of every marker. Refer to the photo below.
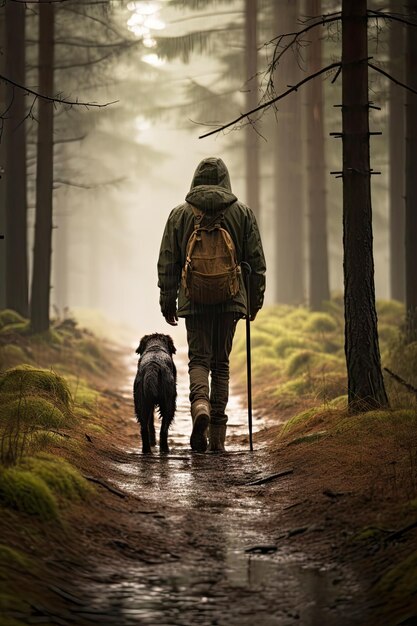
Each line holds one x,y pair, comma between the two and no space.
170,314
172,319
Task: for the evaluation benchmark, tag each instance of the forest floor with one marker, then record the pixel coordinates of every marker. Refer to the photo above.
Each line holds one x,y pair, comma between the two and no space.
288,534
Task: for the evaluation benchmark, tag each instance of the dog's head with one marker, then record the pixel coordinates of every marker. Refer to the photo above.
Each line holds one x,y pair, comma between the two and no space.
156,338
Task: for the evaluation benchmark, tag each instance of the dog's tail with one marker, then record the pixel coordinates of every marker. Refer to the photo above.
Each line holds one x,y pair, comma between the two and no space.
150,382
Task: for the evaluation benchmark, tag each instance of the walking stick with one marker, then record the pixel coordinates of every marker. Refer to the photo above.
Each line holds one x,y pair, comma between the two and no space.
248,269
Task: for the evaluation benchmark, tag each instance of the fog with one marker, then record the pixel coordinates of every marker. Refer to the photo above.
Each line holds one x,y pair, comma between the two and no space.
135,163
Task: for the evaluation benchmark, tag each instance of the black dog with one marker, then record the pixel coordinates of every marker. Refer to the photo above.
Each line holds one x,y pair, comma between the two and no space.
155,385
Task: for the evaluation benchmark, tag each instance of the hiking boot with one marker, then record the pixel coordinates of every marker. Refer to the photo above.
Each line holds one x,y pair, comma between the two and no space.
217,436
200,412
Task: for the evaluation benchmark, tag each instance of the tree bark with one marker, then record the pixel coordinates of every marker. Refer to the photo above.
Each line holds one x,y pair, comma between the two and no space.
290,267
40,300
365,382
397,159
15,166
411,181
251,138
318,266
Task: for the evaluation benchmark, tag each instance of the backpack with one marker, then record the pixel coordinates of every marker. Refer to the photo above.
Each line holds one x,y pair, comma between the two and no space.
211,271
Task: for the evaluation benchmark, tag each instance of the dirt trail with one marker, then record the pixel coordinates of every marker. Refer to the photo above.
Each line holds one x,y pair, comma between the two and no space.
214,526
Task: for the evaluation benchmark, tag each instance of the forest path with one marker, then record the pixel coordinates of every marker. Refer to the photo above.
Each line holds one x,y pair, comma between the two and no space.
208,513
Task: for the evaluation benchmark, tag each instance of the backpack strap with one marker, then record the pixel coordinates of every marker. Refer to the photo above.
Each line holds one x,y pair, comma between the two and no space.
215,222
198,216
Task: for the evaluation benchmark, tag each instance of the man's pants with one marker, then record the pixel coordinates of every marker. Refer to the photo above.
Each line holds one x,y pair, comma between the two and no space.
210,338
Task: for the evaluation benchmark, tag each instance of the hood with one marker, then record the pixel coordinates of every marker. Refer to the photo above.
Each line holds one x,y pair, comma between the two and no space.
210,188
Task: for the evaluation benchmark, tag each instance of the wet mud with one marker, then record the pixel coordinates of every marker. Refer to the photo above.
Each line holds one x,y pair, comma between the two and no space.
227,562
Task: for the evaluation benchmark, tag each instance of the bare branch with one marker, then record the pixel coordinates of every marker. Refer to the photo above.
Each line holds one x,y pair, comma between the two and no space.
394,80
70,183
395,17
296,35
56,99
264,105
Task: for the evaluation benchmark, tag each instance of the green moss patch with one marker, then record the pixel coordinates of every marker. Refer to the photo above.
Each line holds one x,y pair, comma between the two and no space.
11,558
27,379
309,438
400,582
21,490
8,316
320,323
59,475
32,412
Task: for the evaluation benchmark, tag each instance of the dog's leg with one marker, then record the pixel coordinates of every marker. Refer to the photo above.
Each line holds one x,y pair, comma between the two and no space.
163,437
144,429
167,415
152,435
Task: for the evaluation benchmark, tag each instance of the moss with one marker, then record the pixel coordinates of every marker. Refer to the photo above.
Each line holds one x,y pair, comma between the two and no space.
82,412
8,316
309,438
400,582
22,491
340,402
32,411
21,328
9,557
368,534
43,439
293,388
298,419
310,361
388,334
287,344
390,311
12,355
85,395
26,379
320,323
377,422
59,475
96,428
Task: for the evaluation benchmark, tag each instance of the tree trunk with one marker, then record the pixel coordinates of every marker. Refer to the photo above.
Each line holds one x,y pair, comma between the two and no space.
318,265
365,382
15,167
411,180
397,159
60,258
251,138
2,170
290,268
44,175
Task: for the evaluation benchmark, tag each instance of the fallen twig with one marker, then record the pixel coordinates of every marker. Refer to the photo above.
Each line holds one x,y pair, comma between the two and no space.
263,549
267,479
106,486
402,531
400,380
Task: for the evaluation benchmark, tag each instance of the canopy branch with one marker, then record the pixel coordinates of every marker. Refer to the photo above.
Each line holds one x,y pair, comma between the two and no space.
264,105
391,78
56,99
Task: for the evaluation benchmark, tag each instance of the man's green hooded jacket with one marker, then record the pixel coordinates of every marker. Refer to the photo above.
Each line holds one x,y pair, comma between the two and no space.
211,193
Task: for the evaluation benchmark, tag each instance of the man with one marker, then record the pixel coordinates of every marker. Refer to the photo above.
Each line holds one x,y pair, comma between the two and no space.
210,327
